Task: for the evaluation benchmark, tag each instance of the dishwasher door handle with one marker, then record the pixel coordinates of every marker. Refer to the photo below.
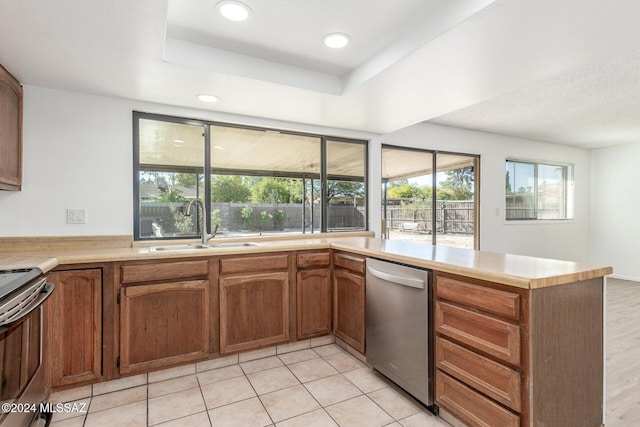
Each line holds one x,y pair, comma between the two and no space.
400,280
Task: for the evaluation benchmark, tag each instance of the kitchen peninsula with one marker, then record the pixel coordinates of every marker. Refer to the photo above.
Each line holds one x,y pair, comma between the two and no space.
518,340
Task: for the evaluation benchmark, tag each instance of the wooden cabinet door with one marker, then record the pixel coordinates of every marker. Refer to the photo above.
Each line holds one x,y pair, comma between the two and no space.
10,132
254,311
349,308
313,292
163,324
75,326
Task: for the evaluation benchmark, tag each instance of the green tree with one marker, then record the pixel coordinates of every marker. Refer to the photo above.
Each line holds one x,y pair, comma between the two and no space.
168,193
229,189
344,189
410,191
277,190
458,185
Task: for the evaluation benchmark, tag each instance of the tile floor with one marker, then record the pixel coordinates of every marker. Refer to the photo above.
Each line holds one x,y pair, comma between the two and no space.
313,386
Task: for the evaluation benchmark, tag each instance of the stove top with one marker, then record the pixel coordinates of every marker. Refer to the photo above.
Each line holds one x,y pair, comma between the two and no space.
10,280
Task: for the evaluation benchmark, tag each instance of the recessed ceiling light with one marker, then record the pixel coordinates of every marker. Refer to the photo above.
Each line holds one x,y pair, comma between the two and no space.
234,10
336,40
206,97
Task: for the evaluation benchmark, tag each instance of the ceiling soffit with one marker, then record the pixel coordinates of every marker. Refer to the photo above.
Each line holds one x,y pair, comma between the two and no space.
382,32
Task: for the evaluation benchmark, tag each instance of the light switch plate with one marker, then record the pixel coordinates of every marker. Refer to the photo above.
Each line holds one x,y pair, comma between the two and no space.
76,216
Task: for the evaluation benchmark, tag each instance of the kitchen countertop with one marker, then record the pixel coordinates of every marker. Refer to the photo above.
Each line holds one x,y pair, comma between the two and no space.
513,270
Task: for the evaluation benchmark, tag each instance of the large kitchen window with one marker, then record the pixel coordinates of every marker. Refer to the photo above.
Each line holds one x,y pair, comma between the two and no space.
538,191
252,180
430,196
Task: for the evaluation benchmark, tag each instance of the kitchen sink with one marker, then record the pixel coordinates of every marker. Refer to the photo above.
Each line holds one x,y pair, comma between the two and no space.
169,248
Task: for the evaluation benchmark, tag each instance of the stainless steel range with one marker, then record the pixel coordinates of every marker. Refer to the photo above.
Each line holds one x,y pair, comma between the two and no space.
22,375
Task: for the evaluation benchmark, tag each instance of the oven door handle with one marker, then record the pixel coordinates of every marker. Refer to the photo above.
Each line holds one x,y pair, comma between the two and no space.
45,293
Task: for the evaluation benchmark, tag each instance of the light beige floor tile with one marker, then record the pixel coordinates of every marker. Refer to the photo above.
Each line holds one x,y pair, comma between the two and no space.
355,353
201,419
227,391
343,362
311,370
424,419
272,380
246,413
257,354
260,364
358,412
173,385
366,379
71,394
395,403
132,415
119,384
118,398
326,350
317,418
220,374
219,362
75,409
70,422
288,403
293,346
175,405
395,424
332,389
298,356
167,374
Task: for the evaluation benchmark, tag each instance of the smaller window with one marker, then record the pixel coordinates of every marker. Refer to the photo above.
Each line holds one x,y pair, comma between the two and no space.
538,191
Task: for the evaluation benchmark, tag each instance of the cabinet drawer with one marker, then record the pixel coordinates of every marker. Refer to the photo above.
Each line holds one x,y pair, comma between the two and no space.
469,406
492,336
493,379
349,262
313,259
163,271
497,302
254,264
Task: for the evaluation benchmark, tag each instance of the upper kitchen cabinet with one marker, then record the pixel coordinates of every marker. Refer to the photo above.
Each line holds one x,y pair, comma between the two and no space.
10,132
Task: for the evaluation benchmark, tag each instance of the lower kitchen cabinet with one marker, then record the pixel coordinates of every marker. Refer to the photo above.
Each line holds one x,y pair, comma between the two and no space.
163,324
254,302
75,326
313,297
349,300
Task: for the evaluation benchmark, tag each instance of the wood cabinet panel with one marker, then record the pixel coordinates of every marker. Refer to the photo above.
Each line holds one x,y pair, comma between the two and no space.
313,300
254,264
135,273
471,407
349,262
493,379
254,311
487,334
349,308
500,303
75,326
163,324
10,131
313,259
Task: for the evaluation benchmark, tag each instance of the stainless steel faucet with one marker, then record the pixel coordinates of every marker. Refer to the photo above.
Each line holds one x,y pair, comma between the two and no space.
203,220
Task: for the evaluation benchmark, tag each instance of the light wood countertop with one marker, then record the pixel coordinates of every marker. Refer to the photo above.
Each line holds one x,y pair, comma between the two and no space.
514,270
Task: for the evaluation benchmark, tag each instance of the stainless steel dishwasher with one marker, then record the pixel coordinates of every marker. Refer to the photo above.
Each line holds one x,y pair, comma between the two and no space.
399,326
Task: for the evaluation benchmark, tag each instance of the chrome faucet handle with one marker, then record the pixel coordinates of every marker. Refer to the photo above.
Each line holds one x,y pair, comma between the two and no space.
212,235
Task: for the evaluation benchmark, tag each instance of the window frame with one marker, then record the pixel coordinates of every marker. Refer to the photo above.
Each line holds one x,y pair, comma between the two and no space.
568,191
208,171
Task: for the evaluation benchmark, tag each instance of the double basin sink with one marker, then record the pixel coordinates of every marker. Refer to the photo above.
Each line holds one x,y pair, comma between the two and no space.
212,246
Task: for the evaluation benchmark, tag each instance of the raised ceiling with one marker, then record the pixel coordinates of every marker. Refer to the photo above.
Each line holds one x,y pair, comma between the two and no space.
565,71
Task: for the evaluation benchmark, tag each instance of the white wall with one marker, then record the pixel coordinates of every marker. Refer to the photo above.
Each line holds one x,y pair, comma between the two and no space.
615,210
567,240
78,154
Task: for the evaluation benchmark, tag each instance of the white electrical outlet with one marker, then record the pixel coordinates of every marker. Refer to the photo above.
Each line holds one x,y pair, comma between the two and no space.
76,216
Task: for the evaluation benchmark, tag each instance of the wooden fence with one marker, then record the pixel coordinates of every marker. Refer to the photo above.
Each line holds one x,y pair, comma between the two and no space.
452,217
